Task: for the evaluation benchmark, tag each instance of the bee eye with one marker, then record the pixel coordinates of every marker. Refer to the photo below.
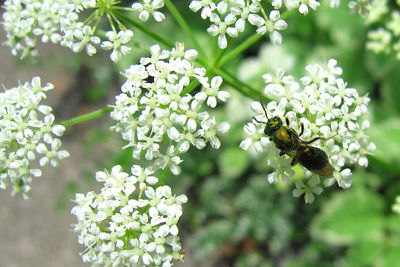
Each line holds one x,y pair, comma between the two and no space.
276,119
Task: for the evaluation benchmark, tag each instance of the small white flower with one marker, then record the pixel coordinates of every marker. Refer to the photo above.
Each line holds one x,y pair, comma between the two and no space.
272,26
308,190
206,6
304,4
282,168
221,28
255,137
149,7
86,40
117,44
211,92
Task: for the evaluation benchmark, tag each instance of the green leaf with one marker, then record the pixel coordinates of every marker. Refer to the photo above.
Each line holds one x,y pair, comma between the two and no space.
391,257
386,136
393,223
233,162
365,253
349,217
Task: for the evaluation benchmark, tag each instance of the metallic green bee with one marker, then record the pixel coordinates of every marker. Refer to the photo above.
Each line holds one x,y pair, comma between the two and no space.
288,142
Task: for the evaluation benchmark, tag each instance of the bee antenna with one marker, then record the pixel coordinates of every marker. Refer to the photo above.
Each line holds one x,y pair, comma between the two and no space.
262,105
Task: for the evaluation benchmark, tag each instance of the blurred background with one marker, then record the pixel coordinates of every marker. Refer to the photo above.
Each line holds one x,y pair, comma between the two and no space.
234,217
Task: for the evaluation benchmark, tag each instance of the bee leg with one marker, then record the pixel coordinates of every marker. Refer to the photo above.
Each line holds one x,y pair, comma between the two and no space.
318,138
287,122
302,129
282,153
294,162
314,139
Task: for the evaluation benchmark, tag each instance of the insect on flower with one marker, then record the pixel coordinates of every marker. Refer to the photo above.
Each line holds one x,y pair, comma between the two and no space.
288,142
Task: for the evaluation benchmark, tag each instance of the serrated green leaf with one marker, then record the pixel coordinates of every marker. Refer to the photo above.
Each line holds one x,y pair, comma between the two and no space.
350,217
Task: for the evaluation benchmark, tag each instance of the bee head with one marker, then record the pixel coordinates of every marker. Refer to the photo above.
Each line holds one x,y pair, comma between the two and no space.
272,125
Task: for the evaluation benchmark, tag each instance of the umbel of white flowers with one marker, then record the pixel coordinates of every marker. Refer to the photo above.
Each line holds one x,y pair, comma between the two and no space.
230,17
27,130
152,109
326,107
61,22
131,222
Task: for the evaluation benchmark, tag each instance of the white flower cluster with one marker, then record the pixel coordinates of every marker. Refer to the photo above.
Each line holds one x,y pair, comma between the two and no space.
129,223
385,38
61,22
228,17
152,107
361,7
27,130
325,106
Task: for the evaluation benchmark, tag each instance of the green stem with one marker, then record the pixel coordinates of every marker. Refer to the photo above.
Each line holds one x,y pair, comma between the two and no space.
231,80
165,174
288,13
181,21
86,117
190,87
236,83
144,29
219,57
239,49
110,20
91,17
123,8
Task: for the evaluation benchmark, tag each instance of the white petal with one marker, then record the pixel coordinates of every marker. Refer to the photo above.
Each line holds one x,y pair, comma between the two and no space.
245,144
303,9
309,198
276,37
274,15
212,101
222,42
216,82
223,127
158,16
280,25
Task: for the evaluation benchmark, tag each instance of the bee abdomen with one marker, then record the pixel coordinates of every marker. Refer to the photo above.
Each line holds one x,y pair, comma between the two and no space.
315,160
